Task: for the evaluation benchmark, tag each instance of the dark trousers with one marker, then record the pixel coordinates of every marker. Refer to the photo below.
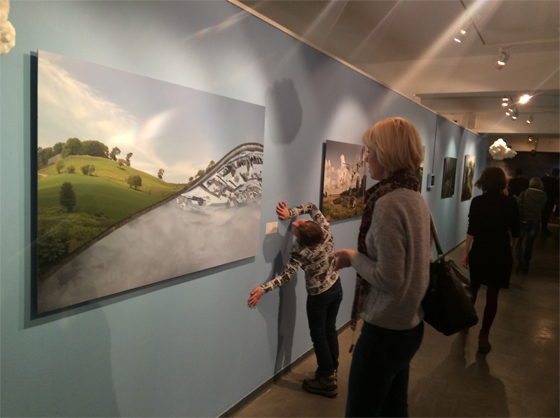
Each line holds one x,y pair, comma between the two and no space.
378,383
321,315
529,229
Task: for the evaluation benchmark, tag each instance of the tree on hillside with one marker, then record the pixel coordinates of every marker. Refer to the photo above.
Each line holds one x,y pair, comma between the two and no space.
67,196
85,169
128,157
57,148
121,162
43,155
134,181
72,147
199,173
95,149
91,170
210,165
160,173
71,169
59,165
191,178
114,152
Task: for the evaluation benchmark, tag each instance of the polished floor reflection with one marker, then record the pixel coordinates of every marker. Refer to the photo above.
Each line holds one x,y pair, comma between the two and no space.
518,378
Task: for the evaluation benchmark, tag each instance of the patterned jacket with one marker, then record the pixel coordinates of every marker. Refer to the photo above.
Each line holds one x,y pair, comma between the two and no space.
318,262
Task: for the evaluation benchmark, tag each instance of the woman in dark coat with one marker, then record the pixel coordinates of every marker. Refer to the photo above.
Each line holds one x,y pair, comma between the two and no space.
492,217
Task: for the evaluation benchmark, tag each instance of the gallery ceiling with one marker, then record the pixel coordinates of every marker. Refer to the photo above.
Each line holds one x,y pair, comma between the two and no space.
409,46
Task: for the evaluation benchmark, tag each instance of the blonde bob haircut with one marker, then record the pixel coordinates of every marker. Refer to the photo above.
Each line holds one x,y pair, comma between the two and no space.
397,144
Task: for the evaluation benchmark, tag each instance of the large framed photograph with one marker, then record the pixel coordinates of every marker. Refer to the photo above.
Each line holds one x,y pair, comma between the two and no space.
344,180
420,170
138,181
468,176
448,178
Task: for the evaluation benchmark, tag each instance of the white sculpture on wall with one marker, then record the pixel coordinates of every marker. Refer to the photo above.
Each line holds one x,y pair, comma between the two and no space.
7,31
500,151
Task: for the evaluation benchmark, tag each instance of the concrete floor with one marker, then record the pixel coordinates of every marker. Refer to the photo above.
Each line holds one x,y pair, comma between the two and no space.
518,378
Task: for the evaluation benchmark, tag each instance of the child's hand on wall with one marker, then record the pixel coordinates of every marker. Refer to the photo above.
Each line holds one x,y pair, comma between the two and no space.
282,211
256,295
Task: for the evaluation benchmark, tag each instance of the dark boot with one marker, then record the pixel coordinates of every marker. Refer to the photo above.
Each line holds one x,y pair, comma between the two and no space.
484,345
320,385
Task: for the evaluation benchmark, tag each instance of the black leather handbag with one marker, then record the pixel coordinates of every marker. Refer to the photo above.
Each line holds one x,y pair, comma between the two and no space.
448,303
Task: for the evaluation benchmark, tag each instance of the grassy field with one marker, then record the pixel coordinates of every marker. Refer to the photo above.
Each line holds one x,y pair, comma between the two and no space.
335,212
102,200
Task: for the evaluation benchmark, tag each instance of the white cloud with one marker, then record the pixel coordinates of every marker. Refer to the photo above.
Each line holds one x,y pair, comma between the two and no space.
69,108
7,31
500,151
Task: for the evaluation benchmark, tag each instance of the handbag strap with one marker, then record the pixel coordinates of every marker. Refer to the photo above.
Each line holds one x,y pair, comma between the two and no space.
435,237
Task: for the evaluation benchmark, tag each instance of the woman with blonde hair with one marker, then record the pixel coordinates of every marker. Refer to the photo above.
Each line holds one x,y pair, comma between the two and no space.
531,203
393,264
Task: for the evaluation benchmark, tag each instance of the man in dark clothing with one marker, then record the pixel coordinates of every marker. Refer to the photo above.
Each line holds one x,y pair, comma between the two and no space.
551,188
517,184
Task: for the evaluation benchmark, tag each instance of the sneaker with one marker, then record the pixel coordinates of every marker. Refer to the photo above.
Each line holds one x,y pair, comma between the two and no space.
319,385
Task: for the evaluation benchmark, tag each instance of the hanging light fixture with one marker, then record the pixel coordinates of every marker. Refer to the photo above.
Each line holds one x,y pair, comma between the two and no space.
505,101
515,114
529,119
502,59
524,99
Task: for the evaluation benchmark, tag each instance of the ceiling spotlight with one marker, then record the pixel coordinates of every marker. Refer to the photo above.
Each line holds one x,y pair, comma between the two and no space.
508,112
461,35
505,99
524,99
530,139
502,59
529,120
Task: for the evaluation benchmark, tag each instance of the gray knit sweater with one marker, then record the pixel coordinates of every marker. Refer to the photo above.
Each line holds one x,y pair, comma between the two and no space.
397,264
531,203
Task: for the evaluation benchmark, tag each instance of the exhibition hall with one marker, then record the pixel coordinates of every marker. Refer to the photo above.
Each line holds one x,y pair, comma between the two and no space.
156,154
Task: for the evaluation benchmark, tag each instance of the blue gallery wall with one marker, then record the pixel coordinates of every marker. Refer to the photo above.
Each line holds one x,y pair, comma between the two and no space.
189,346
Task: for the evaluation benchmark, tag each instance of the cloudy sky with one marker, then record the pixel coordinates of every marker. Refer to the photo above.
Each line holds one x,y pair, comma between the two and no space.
164,125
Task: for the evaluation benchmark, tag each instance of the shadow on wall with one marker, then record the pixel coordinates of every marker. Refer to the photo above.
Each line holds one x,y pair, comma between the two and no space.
284,109
276,250
454,390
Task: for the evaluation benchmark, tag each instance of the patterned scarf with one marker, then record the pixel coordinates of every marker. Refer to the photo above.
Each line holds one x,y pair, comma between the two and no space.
402,179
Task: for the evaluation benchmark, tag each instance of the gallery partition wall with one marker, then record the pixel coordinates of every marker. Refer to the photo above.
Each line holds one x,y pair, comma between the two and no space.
125,293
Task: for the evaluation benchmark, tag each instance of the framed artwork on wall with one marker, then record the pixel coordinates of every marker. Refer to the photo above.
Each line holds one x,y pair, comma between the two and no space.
344,180
448,178
138,181
468,176
420,170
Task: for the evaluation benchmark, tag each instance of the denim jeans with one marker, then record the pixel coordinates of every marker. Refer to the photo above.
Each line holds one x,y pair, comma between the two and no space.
378,383
321,315
531,229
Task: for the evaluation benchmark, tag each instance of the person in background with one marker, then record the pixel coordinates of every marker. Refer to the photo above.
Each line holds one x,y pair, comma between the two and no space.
393,266
551,189
517,184
313,251
531,203
492,217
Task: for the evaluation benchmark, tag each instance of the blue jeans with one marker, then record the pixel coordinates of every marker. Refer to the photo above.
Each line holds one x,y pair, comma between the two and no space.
531,229
322,310
378,383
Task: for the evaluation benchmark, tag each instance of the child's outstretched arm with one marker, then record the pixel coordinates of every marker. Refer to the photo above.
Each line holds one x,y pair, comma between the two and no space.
291,268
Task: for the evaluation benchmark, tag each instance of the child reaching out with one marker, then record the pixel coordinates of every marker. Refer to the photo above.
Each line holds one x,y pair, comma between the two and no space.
313,251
